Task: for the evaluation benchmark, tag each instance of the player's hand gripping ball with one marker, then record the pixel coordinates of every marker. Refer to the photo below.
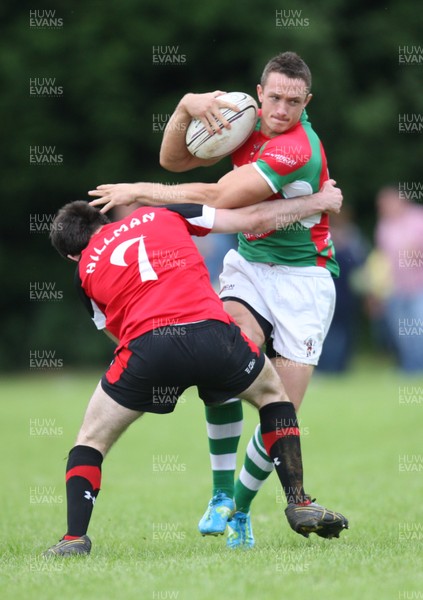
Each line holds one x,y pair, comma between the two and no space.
204,145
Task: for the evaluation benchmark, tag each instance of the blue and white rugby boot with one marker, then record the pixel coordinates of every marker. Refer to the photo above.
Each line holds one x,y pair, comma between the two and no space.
240,532
219,510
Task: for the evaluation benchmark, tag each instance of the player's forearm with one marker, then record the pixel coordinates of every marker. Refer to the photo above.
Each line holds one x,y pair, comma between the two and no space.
279,214
173,151
217,195
152,194
268,215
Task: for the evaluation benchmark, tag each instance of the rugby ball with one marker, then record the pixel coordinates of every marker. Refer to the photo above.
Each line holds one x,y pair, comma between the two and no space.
203,145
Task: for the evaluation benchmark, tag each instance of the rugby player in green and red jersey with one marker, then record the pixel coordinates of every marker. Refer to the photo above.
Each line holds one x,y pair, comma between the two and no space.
278,285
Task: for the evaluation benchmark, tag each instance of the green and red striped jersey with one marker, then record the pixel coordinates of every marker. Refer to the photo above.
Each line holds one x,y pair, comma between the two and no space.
293,164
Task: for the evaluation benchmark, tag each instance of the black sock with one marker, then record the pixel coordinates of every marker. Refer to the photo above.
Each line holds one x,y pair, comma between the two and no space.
83,478
281,438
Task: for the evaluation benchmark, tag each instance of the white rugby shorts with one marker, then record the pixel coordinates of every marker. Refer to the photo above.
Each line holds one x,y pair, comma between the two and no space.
298,302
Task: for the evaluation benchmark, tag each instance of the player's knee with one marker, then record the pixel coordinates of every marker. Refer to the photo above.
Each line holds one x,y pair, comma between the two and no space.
85,439
267,388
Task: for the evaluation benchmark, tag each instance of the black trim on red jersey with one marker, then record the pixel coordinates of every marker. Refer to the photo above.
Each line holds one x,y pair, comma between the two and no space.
187,210
199,217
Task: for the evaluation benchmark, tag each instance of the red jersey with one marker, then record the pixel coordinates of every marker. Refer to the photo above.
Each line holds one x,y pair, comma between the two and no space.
145,272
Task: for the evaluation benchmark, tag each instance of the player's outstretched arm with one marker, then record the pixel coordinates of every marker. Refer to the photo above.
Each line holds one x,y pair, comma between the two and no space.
240,187
174,155
278,214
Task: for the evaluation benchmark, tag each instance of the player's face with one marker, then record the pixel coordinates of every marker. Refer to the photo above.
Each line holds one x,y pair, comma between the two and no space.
282,102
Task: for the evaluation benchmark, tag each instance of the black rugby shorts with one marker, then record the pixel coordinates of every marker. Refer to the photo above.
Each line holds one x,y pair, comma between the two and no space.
154,369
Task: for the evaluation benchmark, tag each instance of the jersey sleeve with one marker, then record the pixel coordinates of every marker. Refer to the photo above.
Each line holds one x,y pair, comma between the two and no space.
95,313
277,168
199,217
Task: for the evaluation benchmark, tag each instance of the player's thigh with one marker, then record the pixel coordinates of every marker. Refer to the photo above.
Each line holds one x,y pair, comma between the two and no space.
104,421
295,378
245,321
266,388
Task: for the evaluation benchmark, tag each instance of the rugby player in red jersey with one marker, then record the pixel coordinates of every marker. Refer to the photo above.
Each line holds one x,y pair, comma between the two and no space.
278,286
169,340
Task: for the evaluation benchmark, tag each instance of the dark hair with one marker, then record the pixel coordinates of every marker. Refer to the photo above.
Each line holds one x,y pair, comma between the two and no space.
73,227
289,64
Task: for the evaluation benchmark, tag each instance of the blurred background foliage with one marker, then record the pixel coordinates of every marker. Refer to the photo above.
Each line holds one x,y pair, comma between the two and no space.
103,122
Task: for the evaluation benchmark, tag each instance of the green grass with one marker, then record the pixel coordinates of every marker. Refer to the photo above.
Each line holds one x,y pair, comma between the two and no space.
145,542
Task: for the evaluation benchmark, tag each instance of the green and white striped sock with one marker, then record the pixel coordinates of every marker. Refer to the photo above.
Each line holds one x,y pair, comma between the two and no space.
255,470
224,427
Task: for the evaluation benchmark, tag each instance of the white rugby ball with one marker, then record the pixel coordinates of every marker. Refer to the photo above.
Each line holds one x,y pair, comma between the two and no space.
203,145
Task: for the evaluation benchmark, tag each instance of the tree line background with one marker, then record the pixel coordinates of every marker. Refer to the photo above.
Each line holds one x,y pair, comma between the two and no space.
108,100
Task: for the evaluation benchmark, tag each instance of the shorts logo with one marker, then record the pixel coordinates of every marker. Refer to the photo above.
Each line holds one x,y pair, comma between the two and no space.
227,287
310,344
250,366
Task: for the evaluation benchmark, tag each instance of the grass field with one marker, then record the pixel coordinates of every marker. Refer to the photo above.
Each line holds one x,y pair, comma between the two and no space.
362,445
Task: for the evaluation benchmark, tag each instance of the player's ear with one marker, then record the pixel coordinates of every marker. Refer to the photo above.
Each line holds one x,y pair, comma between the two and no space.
74,257
307,100
260,93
